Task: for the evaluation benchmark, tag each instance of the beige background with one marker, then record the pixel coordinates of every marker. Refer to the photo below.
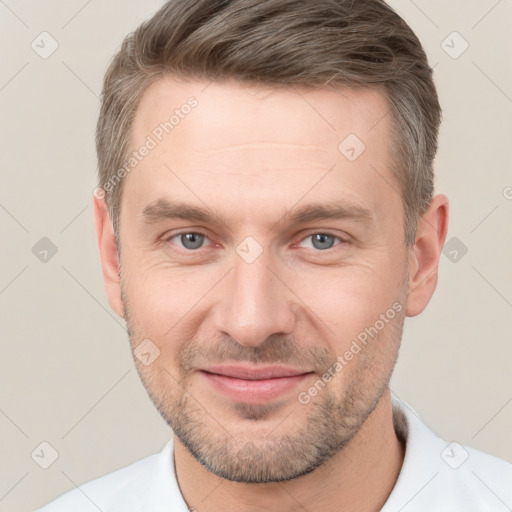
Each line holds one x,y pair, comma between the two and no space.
66,373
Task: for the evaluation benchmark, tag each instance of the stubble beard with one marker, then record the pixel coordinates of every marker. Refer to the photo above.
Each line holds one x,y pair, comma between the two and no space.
331,421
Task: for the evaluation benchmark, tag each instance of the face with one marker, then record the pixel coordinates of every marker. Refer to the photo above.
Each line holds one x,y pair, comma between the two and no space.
263,269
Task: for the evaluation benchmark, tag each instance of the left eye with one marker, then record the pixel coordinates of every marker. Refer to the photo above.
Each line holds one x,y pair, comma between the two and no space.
322,241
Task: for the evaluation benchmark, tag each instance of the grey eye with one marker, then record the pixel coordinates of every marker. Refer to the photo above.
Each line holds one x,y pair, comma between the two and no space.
322,241
192,240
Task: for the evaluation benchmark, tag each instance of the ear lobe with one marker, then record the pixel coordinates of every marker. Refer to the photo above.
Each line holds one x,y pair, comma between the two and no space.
109,255
423,257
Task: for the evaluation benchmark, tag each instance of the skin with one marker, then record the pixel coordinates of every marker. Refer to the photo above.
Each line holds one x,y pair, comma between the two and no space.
253,156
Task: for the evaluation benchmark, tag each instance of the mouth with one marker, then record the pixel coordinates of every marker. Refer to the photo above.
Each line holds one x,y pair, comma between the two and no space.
254,384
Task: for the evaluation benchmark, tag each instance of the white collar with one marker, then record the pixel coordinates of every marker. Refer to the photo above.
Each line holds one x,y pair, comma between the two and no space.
428,480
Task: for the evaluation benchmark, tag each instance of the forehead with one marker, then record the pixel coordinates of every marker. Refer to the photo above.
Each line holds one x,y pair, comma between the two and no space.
225,111
260,141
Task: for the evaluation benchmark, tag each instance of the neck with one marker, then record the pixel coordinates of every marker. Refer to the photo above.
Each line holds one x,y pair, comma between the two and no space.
359,478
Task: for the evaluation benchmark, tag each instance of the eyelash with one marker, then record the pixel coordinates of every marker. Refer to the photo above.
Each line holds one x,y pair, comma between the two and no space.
341,241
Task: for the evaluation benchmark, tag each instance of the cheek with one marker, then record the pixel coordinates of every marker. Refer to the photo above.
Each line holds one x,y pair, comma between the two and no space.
167,305
340,301
351,298
162,291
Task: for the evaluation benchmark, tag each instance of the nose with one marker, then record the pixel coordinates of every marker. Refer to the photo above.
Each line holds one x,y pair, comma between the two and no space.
255,304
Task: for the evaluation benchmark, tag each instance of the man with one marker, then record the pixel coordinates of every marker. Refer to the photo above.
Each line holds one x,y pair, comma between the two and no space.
266,221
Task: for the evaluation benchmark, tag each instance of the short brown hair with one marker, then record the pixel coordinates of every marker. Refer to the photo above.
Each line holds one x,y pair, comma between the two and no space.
359,43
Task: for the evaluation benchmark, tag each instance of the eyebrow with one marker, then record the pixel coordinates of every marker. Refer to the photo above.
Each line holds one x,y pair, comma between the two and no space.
163,209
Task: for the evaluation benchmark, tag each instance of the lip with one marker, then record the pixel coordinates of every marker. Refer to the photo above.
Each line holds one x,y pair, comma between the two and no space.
252,384
248,372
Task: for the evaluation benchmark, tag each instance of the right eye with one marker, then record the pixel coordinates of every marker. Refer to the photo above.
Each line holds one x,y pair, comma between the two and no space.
189,240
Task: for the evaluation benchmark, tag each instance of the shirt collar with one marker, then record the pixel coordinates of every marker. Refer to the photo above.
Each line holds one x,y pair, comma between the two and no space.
418,467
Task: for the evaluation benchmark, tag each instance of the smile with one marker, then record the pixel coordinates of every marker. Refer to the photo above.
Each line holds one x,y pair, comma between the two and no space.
254,384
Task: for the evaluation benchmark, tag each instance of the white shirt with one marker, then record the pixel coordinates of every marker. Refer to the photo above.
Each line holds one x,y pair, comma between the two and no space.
436,476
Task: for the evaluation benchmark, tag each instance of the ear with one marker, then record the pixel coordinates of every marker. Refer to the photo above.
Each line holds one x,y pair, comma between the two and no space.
423,256
109,255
